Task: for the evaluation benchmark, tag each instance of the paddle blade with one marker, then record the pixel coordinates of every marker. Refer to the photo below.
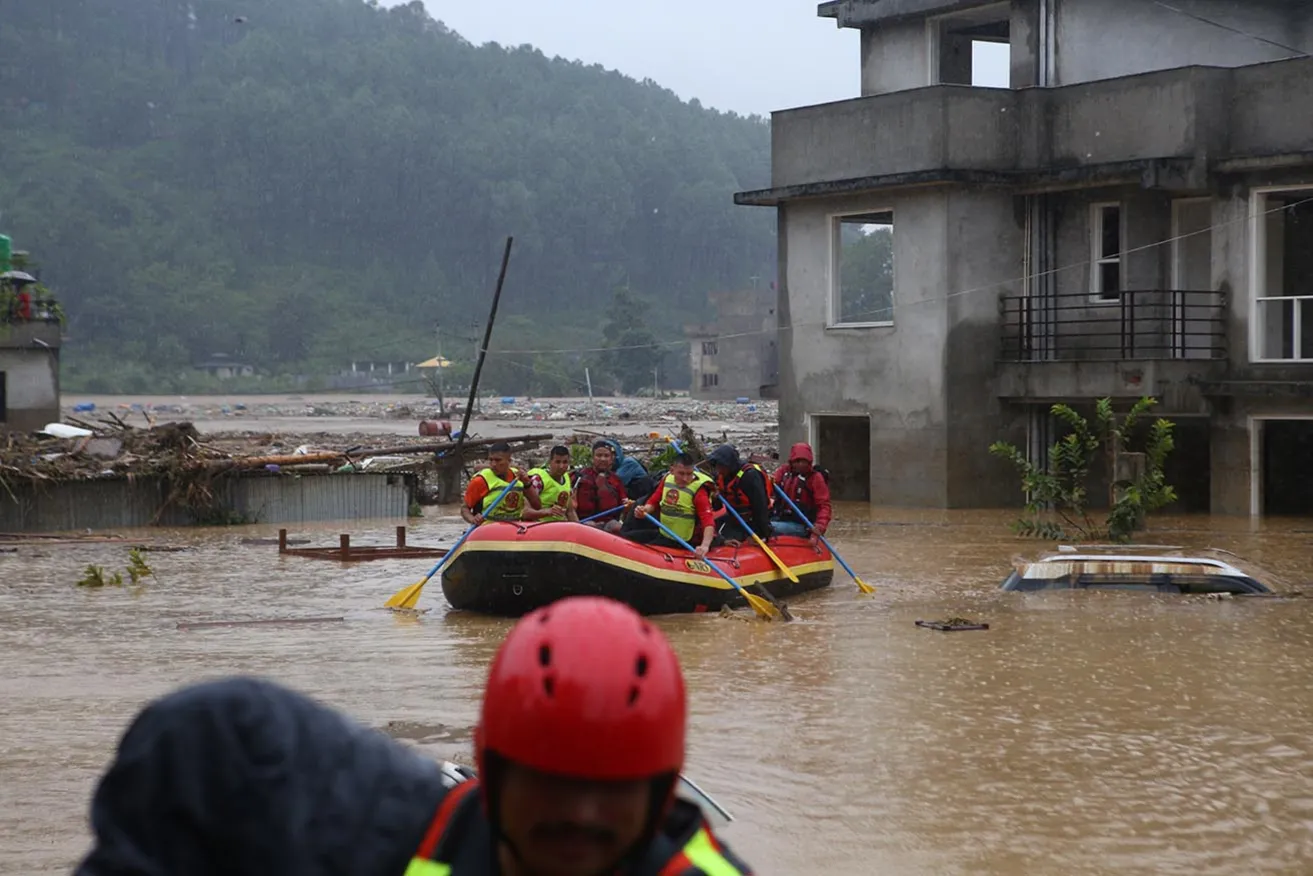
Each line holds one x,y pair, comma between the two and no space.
407,596
763,608
862,585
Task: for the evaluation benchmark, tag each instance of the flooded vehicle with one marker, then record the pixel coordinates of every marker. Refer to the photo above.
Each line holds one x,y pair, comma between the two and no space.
1162,571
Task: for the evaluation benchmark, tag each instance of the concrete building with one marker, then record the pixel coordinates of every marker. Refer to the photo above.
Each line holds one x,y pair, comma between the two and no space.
1134,215
29,375
736,355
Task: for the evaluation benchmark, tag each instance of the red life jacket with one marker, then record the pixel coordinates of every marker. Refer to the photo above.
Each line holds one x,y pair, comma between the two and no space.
799,489
732,491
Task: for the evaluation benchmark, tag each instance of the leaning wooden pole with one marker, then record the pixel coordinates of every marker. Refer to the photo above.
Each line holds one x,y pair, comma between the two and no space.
483,351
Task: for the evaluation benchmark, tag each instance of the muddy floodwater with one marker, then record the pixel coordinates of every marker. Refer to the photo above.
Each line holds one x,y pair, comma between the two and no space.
1083,733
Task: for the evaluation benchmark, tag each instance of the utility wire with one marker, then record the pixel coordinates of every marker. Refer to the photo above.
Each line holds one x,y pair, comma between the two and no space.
1253,36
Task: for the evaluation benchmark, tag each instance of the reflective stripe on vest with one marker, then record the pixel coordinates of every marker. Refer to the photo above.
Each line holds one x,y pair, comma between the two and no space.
677,509
701,853
551,489
512,507
423,863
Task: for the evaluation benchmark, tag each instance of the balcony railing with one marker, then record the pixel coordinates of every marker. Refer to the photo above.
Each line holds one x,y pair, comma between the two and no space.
1138,324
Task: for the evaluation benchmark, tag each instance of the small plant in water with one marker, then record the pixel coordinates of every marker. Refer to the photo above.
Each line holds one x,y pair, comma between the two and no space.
137,566
1057,494
94,576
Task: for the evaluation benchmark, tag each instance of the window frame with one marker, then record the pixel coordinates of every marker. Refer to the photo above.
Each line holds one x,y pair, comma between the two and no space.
834,279
1097,294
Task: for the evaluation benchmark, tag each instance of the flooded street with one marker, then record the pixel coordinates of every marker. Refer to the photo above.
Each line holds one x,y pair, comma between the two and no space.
1085,733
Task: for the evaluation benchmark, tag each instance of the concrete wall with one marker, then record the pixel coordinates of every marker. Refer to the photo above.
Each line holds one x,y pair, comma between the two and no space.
29,358
895,57
985,234
929,433
120,503
1108,38
1197,115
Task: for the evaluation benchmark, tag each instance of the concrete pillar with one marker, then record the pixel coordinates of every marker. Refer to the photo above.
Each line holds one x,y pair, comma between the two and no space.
954,59
1230,460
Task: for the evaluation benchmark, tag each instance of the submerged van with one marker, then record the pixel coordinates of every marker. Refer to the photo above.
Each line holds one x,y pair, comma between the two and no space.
1164,572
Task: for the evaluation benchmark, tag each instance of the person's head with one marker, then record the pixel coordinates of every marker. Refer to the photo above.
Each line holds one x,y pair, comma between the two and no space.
581,737
499,459
603,456
801,459
682,469
559,462
726,458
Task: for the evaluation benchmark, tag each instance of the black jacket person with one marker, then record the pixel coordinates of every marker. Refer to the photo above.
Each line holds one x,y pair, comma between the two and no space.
579,746
747,488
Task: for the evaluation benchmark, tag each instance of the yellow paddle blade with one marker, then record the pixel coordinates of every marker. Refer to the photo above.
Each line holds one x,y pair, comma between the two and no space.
762,607
407,596
863,586
775,559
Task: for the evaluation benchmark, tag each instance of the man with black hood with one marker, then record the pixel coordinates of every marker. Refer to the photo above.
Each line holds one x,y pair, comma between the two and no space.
747,489
579,747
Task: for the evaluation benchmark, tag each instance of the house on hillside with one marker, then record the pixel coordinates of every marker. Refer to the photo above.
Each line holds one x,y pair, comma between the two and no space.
1133,216
736,354
224,367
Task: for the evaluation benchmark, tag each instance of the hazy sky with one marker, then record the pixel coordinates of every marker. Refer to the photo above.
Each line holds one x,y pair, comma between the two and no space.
751,56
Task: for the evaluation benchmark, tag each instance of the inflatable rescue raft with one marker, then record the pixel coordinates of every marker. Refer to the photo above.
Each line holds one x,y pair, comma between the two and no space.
509,569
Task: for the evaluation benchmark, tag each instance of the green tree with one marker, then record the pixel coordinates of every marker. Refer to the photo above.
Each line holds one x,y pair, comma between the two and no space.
1057,495
313,183
633,357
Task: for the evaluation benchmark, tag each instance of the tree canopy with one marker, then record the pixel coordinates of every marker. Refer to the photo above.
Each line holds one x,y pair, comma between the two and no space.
304,182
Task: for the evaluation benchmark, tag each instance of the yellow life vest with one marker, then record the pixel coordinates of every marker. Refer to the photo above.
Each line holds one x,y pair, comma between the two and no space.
510,508
677,509
551,491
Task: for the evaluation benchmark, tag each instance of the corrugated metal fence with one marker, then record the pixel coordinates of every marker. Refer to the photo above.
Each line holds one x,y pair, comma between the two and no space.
121,503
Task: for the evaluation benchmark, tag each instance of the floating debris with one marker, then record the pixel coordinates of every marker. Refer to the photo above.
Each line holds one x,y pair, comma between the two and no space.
952,625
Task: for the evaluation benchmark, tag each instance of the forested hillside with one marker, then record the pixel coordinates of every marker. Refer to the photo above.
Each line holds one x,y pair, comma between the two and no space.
300,182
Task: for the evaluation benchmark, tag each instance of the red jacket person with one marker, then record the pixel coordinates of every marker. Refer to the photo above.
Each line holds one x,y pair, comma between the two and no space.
579,747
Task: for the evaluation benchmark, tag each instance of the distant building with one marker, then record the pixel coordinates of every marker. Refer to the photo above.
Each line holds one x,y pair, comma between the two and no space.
735,355
1131,214
29,375
224,367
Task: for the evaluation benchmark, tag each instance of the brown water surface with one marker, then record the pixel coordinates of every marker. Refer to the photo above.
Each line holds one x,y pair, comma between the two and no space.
1085,733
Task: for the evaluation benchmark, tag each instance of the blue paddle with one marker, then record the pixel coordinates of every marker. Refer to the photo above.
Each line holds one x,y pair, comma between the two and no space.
407,596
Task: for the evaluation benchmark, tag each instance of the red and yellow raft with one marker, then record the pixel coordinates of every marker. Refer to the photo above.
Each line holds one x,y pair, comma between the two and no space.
509,569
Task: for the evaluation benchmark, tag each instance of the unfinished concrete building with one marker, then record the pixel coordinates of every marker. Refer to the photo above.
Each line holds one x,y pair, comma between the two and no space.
1132,214
736,354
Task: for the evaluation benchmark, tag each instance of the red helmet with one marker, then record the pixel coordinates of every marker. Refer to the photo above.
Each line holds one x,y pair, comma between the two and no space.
588,689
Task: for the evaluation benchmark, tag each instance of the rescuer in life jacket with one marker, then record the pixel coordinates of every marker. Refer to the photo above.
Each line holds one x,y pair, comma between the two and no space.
598,488
683,503
554,486
747,488
488,484
809,488
578,748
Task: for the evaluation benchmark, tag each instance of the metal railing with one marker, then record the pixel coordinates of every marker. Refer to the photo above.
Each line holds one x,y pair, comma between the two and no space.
1138,324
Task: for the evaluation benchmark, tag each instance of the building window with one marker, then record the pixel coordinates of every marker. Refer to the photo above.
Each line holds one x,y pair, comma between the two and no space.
862,279
1106,252
709,348
710,380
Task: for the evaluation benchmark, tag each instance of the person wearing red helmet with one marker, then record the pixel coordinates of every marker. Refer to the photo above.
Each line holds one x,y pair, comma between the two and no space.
579,746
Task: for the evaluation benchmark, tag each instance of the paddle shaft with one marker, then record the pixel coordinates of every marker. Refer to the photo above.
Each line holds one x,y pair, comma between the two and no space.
605,513
688,547
774,558
803,517
495,502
